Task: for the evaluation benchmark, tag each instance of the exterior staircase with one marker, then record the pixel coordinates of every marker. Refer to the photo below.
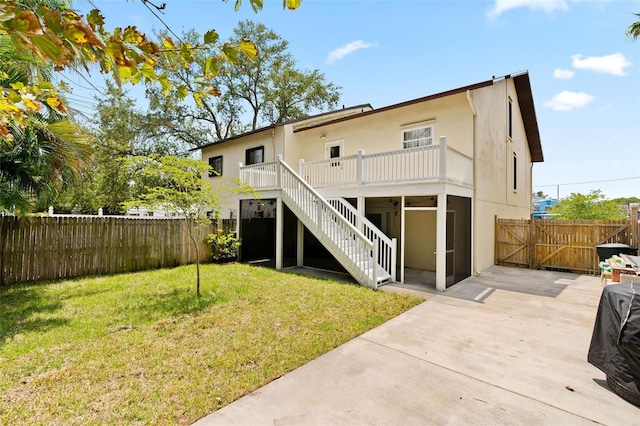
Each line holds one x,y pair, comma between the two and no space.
368,256
386,246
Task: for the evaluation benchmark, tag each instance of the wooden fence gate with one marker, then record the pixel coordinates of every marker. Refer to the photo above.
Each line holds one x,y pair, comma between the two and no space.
558,244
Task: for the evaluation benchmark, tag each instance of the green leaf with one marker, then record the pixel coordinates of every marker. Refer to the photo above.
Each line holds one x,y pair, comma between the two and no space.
182,91
95,19
16,24
197,97
48,48
14,96
211,37
125,73
230,52
248,47
256,5
211,67
148,71
166,85
132,35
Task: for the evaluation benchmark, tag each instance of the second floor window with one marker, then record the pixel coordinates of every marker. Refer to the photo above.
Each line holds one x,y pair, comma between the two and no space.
510,119
515,172
254,156
215,166
421,136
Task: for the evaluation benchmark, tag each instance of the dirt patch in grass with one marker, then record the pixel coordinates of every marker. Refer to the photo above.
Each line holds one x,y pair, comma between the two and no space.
143,349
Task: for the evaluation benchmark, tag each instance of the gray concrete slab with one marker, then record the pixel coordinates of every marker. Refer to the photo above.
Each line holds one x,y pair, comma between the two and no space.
506,347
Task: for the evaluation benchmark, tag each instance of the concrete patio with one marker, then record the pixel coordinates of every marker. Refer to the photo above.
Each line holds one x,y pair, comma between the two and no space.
506,347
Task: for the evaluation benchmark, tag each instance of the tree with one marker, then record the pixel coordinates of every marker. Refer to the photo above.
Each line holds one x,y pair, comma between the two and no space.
176,184
540,194
634,29
624,201
51,31
590,207
41,156
272,86
246,94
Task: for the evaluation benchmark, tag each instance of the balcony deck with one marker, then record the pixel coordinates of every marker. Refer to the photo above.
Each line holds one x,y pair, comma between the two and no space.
433,163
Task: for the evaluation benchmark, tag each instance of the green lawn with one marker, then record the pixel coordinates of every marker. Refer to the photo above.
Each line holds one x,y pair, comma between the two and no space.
142,348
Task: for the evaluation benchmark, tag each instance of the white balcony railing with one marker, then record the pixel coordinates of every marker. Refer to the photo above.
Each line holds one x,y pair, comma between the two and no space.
433,163
423,164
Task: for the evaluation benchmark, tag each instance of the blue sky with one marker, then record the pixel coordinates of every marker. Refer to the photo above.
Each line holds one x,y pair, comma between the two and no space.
585,74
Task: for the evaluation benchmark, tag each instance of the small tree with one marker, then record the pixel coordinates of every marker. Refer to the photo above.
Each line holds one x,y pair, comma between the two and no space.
592,206
541,194
176,184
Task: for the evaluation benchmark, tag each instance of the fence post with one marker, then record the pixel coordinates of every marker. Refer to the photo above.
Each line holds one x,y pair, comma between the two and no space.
532,245
634,224
3,242
360,167
495,238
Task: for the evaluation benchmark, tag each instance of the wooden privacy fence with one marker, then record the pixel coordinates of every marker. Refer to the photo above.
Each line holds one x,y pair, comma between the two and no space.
42,248
558,244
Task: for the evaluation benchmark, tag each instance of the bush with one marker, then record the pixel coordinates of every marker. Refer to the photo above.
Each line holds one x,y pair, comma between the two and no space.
224,247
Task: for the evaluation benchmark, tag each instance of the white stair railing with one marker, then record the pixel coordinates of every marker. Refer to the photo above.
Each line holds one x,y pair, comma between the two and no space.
345,242
386,246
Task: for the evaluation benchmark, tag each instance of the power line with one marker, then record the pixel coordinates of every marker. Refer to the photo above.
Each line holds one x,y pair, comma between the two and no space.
593,181
160,9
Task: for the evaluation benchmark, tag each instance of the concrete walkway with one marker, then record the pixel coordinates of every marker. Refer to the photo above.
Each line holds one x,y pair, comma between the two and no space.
507,347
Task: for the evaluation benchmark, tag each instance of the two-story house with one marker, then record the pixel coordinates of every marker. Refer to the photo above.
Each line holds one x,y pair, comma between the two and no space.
376,191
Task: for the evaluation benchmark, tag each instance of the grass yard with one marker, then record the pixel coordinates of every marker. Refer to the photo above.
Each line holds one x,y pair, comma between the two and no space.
141,348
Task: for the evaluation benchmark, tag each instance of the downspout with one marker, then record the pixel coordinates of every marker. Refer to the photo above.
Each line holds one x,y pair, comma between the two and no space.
474,224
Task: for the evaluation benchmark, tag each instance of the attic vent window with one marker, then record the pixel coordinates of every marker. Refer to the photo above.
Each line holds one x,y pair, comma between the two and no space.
421,136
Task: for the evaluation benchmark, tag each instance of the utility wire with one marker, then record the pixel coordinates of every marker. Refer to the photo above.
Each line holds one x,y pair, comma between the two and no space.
160,9
593,181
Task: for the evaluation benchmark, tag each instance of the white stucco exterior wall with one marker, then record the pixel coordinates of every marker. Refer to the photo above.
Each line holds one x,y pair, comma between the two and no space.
495,150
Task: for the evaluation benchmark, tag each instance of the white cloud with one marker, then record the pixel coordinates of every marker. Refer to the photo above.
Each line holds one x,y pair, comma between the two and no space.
566,101
501,6
609,64
347,49
561,74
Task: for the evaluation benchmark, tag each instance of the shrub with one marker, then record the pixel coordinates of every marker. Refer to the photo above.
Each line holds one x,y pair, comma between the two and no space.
224,247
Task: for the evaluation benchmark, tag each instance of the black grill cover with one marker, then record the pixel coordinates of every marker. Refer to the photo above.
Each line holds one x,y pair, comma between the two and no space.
615,343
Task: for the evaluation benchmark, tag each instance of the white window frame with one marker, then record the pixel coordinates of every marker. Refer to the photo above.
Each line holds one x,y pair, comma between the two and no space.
510,118
331,144
419,142
515,171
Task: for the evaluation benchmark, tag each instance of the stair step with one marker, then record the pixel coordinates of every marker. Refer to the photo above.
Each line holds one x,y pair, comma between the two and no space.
336,236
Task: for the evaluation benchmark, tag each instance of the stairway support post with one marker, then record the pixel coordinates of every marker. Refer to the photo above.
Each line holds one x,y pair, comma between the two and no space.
374,273
300,244
279,233
361,212
441,243
394,259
